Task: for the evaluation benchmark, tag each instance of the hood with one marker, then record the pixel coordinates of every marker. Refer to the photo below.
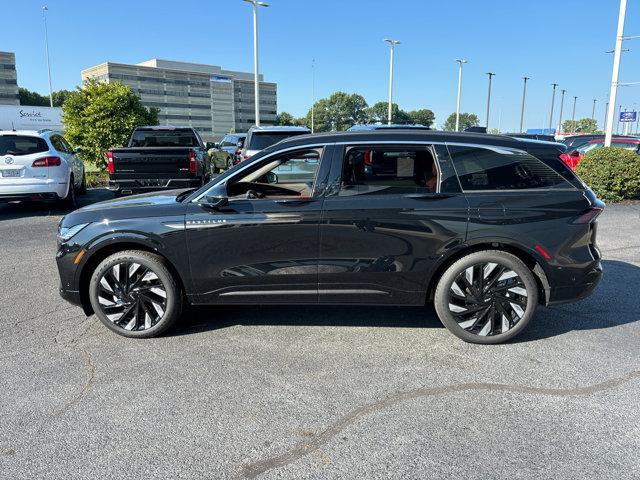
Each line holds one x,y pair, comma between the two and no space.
154,204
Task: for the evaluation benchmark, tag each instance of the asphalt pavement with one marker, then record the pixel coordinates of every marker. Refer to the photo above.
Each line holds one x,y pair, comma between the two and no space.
314,392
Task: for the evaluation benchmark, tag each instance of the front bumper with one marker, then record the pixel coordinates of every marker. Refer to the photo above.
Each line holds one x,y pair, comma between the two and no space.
151,184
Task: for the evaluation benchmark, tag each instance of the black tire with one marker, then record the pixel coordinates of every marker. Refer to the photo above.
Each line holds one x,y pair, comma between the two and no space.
495,305
69,202
138,309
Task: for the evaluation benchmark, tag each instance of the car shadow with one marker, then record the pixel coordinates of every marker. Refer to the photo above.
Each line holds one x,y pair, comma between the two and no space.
25,209
609,306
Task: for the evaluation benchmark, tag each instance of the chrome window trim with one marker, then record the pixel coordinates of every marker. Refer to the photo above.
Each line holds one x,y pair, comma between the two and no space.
498,149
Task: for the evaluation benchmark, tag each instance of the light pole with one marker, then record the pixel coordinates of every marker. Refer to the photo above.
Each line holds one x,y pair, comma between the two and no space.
313,93
573,115
256,4
561,108
491,75
524,94
460,62
46,48
616,71
618,121
553,99
606,113
393,44
593,111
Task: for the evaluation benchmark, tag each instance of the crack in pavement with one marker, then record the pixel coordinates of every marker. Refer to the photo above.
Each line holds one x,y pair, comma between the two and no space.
91,376
253,469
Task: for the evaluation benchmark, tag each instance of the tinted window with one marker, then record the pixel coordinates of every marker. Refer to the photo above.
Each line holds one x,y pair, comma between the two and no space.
388,171
164,138
21,145
262,140
502,169
229,141
57,143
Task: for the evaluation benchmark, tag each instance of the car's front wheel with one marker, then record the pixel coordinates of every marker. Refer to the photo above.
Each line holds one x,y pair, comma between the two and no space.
486,297
134,294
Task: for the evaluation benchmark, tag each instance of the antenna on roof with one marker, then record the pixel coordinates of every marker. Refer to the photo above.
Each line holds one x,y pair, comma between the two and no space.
12,126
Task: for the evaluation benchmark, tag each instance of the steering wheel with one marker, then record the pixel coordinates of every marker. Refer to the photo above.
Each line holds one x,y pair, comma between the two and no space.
253,194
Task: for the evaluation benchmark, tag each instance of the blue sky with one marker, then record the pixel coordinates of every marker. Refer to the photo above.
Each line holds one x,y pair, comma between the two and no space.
560,41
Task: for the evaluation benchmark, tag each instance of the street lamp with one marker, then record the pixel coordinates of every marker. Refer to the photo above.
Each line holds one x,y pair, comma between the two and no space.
460,62
573,116
46,48
490,74
313,93
393,44
256,4
553,99
561,108
524,94
614,76
618,124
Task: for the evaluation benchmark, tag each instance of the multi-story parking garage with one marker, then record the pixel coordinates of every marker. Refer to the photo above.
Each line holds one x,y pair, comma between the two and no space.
212,100
8,79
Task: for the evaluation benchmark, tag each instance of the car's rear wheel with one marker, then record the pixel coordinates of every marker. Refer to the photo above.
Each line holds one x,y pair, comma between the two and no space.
134,294
486,297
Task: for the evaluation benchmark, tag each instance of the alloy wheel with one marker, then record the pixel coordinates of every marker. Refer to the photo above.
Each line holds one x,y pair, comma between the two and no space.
487,299
132,296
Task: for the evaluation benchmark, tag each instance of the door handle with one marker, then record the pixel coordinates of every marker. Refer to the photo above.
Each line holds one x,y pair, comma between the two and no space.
428,196
295,201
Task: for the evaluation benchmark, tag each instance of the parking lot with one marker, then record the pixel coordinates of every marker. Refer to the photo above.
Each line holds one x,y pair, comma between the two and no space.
315,392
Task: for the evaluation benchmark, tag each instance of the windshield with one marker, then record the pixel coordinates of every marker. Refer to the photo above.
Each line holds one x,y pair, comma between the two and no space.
21,145
262,140
164,138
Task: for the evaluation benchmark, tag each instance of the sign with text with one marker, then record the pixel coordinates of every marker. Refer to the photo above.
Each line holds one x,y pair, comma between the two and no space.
22,117
628,116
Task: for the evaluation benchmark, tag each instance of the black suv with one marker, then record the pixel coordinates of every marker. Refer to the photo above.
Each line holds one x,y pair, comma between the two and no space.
485,227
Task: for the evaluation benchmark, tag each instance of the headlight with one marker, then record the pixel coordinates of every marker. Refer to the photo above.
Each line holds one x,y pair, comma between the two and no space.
65,233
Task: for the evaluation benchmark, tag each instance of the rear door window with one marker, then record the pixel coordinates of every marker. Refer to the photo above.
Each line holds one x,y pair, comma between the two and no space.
382,170
500,168
21,145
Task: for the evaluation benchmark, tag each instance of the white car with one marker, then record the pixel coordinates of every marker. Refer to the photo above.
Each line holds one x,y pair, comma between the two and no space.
39,165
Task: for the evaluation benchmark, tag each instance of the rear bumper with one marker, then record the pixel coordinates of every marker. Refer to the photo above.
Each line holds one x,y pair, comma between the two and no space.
582,288
151,184
42,189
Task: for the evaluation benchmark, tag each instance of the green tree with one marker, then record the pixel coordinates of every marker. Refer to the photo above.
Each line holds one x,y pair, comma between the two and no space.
584,125
285,118
423,116
379,112
337,112
99,116
466,120
34,99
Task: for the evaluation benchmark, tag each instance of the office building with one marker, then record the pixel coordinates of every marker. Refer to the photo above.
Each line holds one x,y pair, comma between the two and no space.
212,100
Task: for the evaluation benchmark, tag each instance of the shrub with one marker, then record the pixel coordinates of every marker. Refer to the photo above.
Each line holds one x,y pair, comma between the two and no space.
612,173
97,179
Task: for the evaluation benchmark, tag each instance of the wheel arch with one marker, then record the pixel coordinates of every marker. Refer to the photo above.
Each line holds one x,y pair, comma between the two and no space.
528,258
109,248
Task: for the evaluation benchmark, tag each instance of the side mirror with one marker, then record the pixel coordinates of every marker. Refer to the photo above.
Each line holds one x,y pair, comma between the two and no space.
216,203
78,150
271,177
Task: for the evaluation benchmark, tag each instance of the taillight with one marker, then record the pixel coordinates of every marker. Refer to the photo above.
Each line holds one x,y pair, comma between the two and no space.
245,157
47,162
571,159
193,166
589,215
238,150
110,167
367,157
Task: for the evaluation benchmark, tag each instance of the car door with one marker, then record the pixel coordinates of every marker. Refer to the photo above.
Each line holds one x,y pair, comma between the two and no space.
61,150
261,250
76,162
390,214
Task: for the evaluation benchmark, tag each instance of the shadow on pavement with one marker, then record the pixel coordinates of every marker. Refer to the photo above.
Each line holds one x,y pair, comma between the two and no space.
614,303
25,209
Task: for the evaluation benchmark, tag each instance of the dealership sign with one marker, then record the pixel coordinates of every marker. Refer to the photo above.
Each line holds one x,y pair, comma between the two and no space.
628,116
21,117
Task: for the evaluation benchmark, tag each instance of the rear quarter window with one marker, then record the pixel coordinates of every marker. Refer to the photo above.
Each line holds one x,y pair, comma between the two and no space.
480,168
17,145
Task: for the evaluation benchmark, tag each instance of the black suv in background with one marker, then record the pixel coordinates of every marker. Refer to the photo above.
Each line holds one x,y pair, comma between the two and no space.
485,227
